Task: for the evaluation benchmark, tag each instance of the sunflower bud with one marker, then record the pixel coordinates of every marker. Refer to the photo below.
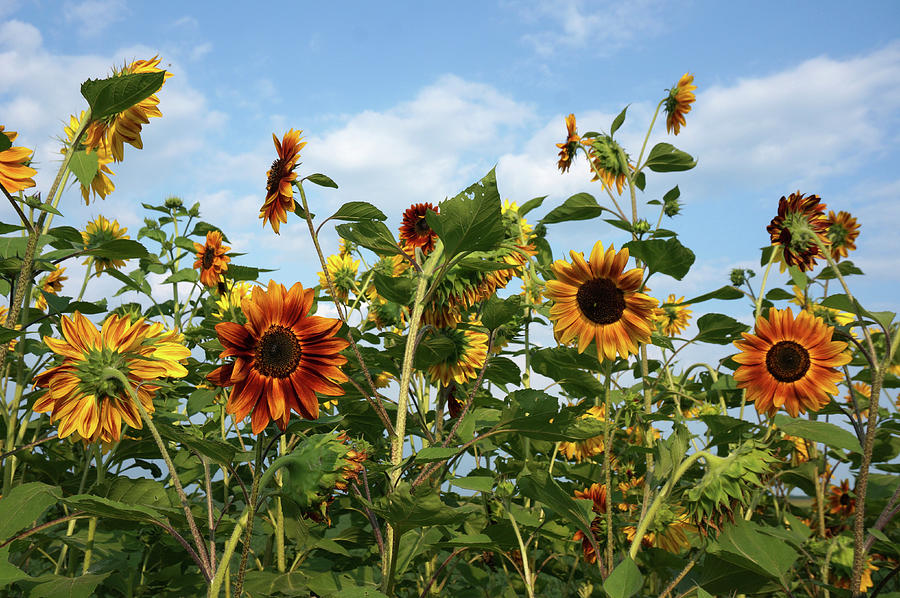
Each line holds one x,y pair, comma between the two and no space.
740,276
671,206
173,203
641,227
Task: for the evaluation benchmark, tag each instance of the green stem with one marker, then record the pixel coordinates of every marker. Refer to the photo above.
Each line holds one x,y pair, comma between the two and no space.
87,276
526,567
638,165
248,532
216,586
89,549
762,286
279,513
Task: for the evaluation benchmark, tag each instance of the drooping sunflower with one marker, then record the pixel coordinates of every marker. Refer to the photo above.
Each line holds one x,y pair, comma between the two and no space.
861,390
672,317
841,501
52,284
125,127
342,269
15,175
789,363
211,259
97,232
799,211
842,232
610,162
585,449
279,178
78,397
414,228
597,494
282,357
597,301
232,298
466,359
668,532
800,452
101,185
568,147
678,103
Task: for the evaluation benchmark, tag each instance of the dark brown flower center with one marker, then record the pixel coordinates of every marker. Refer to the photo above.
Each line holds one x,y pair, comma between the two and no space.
601,301
787,361
209,256
422,228
277,352
845,499
276,172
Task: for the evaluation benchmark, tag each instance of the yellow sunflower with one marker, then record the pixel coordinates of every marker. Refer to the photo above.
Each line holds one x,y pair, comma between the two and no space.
101,185
842,232
800,453
799,211
678,103
282,357
668,535
342,269
52,284
211,259
672,317
568,147
829,314
610,162
80,399
4,314
861,389
15,174
584,449
279,191
233,298
789,363
99,231
597,301
466,359
865,581
125,127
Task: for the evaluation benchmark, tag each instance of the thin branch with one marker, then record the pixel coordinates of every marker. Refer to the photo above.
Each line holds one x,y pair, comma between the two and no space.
43,526
27,446
439,569
375,528
18,210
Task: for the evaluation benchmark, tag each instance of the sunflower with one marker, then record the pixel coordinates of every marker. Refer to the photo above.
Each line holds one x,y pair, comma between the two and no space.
568,147
467,357
584,449
97,232
101,184
842,232
860,389
830,315
52,284
678,103
342,269
800,452
233,298
596,493
414,229
4,314
669,535
353,465
211,259
279,178
125,127
789,363
78,396
799,218
672,317
865,581
841,501
596,300
15,174
282,357
610,162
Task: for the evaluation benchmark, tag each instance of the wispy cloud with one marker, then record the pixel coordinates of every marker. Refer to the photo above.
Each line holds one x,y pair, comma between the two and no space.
91,17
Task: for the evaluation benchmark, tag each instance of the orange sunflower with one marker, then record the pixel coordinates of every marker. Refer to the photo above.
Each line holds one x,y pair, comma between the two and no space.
568,147
842,232
279,178
125,127
52,284
78,396
211,259
789,363
15,175
97,232
597,494
672,317
841,501
860,389
799,211
282,357
414,229
678,103
596,300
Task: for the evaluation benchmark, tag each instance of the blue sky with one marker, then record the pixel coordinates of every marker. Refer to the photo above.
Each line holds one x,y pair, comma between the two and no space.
406,102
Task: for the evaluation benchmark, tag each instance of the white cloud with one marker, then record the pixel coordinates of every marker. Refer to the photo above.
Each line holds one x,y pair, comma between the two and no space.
91,17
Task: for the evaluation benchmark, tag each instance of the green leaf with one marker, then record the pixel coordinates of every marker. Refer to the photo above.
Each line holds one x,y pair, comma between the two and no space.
69,234
46,207
84,166
237,273
799,278
471,220
323,181
138,492
115,94
530,205
497,312
819,431
217,450
125,279
358,210
672,194
183,275
846,268
67,587
502,371
122,249
9,573
433,349
664,256
5,143
745,544
664,157
7,334
719,329
104,507
398,290
479,483
270,583
581,206
541,487
314,465
407,509
370,234
617,122
779,294
23,505
359,593
624,581
186,244
727,293
640,181
435,453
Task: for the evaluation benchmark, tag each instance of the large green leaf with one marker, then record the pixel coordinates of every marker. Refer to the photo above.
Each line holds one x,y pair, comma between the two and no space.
217,450
624,581
399,290
183,275
727,293
358,210
581,206
530,205
270,583
115,94
406,509
664,256
84,166
122,249
819,431
539,486
471,220
617,122
746,545
321,180
719,329
435,453
665,157
497,312
56,586
23,505
370,234
9,573
114,509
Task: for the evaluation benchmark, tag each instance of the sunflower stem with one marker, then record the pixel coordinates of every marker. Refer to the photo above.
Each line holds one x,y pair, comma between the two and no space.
251,509
639,166
607,459
279,513
526,567
224,564
114,374
87,276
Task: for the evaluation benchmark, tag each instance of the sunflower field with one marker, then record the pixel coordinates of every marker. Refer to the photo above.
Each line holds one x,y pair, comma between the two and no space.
223,434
